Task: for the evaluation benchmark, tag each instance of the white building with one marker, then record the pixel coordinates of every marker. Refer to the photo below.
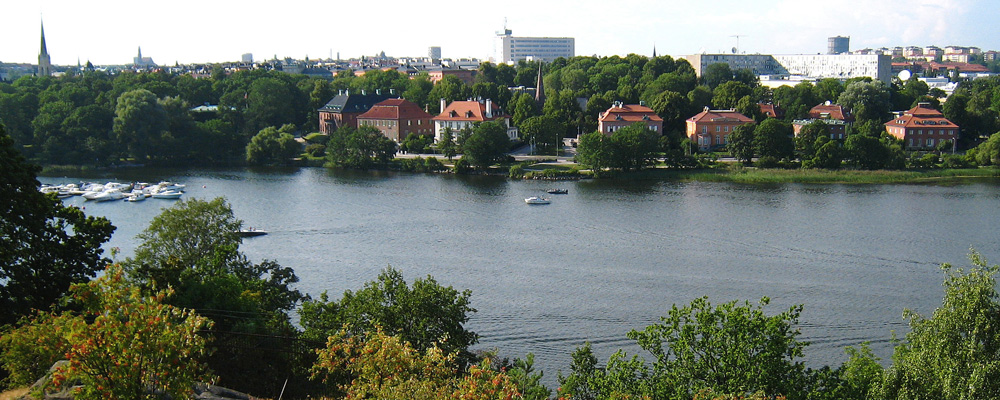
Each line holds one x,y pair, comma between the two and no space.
511,49
839,66
434,52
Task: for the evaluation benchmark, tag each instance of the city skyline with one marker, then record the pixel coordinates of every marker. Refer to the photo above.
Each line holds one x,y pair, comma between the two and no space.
217,32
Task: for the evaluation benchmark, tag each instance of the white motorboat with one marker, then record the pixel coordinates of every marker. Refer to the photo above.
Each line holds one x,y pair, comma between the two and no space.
106,196
537,200
135,196
168,194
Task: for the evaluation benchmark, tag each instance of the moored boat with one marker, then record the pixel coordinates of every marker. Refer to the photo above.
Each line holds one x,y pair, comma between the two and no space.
251,232
558,191
168,194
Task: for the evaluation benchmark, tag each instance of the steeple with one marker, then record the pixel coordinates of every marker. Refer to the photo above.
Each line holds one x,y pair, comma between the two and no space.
654,51
44,61
539,92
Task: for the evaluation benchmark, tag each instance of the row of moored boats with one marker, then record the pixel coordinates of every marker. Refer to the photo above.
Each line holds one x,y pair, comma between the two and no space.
543,200
131,192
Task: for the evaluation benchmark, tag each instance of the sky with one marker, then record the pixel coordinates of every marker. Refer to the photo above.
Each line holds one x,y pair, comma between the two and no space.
112,31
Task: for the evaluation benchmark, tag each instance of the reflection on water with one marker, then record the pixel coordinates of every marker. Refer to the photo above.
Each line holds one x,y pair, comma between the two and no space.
610,256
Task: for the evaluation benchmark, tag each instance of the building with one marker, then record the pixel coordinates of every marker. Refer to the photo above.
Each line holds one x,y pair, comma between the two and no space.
247,57
838,120
44,60
397,119
759,64
922,127
711,128
344,109
623,115
839,66
838,45
511,49
464,75
771,110
434,53
464,114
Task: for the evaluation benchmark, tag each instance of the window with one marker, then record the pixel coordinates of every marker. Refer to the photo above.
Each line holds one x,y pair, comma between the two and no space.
718,128
704,129
726,129
930,142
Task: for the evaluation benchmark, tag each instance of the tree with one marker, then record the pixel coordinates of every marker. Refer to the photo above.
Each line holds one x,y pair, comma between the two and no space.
46,246
381,366
125,344
728,94
673,108
544,132
805,141
272,102
868,100
524,108
773,138
594,150
193,247
634,147
361,148
741,143
447,144
139,122
716,74
425,314
988,152
954,354
271,147
488,144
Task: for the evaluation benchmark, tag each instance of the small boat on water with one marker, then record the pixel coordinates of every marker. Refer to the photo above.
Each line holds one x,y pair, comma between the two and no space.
537,200
168,194
135,196
557,191
251,232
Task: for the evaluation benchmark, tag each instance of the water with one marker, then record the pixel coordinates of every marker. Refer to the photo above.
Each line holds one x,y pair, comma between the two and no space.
610,256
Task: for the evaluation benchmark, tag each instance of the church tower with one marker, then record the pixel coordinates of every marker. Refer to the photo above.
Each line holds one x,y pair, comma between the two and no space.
44,61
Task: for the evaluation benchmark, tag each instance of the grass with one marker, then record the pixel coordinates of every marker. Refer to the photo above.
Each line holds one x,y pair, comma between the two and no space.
766,176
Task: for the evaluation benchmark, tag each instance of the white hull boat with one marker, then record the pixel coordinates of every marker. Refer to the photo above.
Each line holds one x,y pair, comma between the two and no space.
536,200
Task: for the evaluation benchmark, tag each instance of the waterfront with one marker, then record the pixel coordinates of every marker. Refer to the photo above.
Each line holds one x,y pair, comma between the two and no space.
608,257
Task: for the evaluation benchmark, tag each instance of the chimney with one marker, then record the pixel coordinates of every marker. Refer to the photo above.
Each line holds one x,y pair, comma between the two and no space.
489,108
443,104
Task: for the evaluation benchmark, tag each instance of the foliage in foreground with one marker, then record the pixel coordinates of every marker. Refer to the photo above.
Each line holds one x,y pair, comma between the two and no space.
387,367
46,246
123,345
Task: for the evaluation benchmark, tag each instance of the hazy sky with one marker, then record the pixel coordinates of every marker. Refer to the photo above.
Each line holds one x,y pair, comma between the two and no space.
110,31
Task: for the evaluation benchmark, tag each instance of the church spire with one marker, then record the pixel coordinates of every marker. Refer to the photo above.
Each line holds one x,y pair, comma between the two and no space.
44,61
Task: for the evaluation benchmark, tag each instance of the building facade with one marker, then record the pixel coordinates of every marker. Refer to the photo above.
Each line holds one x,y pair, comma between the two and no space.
622,115
839,66
464,114
434,53
710,129
759,64
838,120
397,119
511,49
922,127
344,109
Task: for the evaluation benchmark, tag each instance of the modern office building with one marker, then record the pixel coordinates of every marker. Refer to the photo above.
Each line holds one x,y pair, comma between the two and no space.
838,45
434,52
839,66
247,57
511,49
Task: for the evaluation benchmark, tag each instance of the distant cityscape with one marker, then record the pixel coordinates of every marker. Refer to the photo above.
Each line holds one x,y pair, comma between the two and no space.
774,70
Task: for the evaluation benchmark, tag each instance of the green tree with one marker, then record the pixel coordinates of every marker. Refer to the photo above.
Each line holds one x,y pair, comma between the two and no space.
487,145
271,147
544,132
447,144
46,246
868,100
741,143
139,123
728,94
271,102
773,138
634,147
954,354
594,150
673,107
424,314
988,152
716,74
524,108
805,141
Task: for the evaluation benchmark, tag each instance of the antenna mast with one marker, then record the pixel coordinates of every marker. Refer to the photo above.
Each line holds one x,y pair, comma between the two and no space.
736,49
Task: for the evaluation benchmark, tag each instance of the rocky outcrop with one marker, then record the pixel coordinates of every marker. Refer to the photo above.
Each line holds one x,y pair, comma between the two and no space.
202,391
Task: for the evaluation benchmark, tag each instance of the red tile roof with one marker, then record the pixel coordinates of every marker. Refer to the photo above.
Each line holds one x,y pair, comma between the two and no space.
719,116
922,116
830,111
629,113
395,109
771,110
469,111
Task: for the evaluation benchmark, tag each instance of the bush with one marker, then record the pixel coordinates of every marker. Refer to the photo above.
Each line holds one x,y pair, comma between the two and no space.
317,138
432,164
316,150
124,345
516,171
767,162
462,166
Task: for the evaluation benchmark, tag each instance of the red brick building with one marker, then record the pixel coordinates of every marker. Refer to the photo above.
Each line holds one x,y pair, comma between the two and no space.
711,128
922,127
344,109
397,119
622,115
